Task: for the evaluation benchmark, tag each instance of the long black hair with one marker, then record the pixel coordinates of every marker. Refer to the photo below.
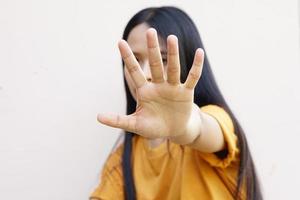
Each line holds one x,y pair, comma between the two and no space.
171,20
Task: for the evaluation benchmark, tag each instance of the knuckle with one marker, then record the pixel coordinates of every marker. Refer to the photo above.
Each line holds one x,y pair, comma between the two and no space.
197,65
155,63
173,70
194,75
132,69
118,121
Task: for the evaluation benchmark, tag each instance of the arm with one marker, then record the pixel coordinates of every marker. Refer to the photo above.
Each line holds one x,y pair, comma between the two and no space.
208,137
165,107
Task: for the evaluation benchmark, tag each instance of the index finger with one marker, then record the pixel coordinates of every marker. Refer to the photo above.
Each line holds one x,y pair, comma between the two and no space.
132,64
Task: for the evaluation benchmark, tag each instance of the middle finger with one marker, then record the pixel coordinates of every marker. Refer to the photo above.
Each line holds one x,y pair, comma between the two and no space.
173,69
155,61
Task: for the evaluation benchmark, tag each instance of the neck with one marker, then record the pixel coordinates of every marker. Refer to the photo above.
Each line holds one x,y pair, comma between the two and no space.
155,142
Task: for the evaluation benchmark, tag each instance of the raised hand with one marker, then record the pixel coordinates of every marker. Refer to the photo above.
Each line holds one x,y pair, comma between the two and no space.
165,107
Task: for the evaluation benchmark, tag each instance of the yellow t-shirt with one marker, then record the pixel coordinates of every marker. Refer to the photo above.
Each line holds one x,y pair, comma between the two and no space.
180,173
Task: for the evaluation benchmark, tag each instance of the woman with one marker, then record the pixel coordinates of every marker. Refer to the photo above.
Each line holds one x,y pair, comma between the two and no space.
181,139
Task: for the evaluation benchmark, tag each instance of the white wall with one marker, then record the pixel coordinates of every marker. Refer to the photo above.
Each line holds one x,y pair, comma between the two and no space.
60,66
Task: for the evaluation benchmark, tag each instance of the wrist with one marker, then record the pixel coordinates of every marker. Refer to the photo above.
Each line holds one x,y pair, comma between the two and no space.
193,130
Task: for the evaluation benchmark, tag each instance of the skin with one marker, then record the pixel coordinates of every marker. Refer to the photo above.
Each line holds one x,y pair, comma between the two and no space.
165,107
140,51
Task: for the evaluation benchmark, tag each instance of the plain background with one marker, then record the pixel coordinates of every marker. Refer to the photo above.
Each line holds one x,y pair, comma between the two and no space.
60,66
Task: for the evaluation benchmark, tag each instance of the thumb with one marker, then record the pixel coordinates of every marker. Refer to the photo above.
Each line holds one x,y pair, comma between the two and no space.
126,122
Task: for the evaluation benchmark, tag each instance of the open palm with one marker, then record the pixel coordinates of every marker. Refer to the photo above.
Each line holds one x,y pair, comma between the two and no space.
165,106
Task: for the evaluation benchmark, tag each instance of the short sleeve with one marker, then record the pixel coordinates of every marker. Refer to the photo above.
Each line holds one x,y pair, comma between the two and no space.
226,124
111,182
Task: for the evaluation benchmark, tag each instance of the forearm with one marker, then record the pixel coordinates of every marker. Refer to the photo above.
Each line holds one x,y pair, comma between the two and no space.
204,135
211,138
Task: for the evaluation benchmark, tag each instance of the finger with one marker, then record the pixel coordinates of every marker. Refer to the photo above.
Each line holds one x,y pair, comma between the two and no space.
196,70
173,69
132,64
155,61
126,122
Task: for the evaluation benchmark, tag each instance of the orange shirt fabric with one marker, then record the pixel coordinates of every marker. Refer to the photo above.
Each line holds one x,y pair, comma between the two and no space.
179,172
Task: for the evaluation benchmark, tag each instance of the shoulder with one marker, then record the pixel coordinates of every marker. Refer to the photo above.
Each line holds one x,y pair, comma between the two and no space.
114,160
231,153
111,181
220,114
